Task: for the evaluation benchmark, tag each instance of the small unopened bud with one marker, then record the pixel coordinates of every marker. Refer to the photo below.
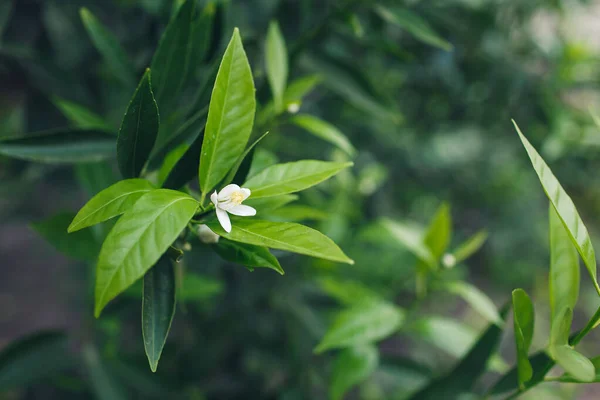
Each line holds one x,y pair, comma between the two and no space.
206,235
293,108
187,246
449,260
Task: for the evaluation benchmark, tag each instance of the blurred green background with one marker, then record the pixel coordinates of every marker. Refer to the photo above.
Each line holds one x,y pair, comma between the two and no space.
427,103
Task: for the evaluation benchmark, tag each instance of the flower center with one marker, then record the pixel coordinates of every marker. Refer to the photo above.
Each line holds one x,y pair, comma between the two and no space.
237,197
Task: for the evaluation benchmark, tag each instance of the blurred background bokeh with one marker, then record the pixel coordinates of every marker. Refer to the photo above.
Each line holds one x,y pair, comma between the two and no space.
427,105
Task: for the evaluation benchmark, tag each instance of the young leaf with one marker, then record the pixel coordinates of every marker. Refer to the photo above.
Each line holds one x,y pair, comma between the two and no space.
564,267
230,116
575,364
171,60
476,299
61,146
32,358
564,207
414,24
138,130
362,324
286,236
439,231
409,238
470,246
248,255
325,131
80,116
568,378
351,367
559,333
292,177
80,246
138,239
107,44
276,62
523,326
109,203
158,308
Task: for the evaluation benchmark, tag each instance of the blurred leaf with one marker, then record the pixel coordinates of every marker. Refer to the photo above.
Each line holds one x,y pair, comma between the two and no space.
95,177
104,384
80,246
286,236
575,364
470,246
276,64
408,237
247,154
264,205
468,370
523,326
564,268
361,324
294,94
109,203
439,231
109,48
33,358
298,212
476,299
138,130
171,60
248,255
230,116
186,168
414,24
5,13
451,336
292,177
565,209
347,292
325,131
198,287
61,146
568,378
138,239
351,367
80,116
158,308
540,363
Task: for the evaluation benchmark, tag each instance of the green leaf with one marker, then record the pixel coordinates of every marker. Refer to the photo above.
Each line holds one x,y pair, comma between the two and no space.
347,292
286,236
408,237
230,116
540,363
169,162
351,367
231,176
158,308
111,51
61,146
414,24
138,239
465,374
276,63
138,130
439,231
476,299
568,378
80,246
523,325
362,324
325,131
559,333
171,60
80,116
265,205
292,177
564,267
33,358
298,212
575,364
109,203
565,209
248,255
470,246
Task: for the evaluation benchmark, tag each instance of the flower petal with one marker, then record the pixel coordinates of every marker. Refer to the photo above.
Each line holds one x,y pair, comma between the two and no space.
227,191
242,211
246,192
224,220
214,199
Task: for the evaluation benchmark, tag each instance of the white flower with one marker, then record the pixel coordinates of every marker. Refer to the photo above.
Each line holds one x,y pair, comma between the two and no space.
206,235
449,260
229,200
